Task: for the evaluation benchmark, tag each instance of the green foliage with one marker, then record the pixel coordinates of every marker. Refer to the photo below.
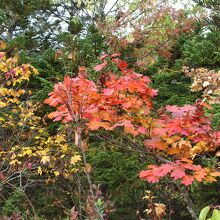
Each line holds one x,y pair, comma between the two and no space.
214,114
210,194
203,50
204,214
75,26
214,8
47,203
116,171
14,203
100,205
173,89
81,50
46,88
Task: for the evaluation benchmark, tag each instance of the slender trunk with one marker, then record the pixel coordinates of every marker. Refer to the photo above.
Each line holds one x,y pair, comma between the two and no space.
78,143
32,207
189,203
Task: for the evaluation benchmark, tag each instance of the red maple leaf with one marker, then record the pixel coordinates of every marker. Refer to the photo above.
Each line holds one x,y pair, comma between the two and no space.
164,169
180,111
178,173
155,143
187,180
147,174
108,92
122,65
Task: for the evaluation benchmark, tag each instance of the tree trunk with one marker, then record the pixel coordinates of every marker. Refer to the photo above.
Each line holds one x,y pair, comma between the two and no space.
189,203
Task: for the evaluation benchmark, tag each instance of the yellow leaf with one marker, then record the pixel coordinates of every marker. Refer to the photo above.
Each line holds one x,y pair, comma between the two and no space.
12,162
75,159
172,151
210,179
74,170
59,138
28,151
39,170
45,159
56,173
13,156
64,148
3,91
2,104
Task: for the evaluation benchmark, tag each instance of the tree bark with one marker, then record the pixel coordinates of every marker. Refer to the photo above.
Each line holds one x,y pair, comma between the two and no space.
78,143
189,203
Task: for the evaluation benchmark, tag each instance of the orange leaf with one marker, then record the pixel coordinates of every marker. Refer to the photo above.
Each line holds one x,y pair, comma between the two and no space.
187,180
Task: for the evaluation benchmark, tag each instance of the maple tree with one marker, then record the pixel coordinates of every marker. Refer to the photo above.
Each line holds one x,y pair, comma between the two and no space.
123,100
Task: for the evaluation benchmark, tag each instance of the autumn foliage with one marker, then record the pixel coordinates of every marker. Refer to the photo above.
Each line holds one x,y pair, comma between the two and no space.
113,104
207,81
109,109
176,135
26,147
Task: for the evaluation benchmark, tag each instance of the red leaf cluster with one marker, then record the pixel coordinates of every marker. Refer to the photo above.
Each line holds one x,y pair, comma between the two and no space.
178,170
125,100
108,107
182,133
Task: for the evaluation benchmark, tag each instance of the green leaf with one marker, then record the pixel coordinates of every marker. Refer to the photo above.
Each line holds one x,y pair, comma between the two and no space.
204,213
215,215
